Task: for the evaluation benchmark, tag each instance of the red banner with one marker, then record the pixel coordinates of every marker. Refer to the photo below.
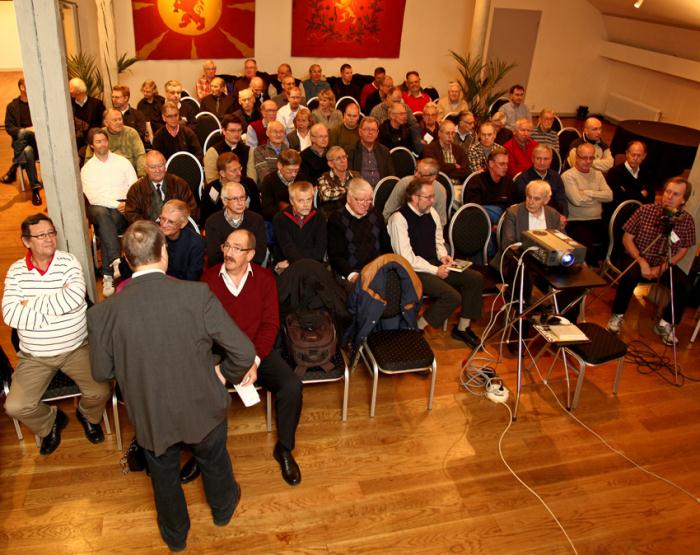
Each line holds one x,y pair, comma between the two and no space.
193,29
347,28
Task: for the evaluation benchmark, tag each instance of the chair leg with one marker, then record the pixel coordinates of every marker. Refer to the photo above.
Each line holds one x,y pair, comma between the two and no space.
579,385
433,379
618,375
20,437
375,384
117,426
20,174
108,428
695,331
269,411
346,394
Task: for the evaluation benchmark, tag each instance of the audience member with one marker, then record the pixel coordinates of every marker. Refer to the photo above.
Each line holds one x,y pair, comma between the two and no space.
288,83
520,148
380,112
372,87
299,138
256,134
283,70
631,180
429,126
414,96
515,108
203,85
264,158
333,184
347,134
481,149
174,136
151,106
257,85
379,96
327,113
250,72
123,140
592,135
452,159
131,117
493,188
313,159
395,131
217,102
369,157
188,110
347,85
228,169
288,111
275,187
465,136
248,112
315,83
543,133
86,108
185,246
503,134
427,170
453,103
230,141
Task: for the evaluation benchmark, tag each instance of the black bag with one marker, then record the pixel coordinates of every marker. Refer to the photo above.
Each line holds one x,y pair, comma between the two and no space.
311,340
134,459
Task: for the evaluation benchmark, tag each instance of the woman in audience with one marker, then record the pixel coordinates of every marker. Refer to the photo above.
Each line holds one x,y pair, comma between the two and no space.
150,106
300,138
503,134
326,112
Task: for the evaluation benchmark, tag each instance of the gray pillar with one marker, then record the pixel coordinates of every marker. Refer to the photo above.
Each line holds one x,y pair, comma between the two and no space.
43,58
477,39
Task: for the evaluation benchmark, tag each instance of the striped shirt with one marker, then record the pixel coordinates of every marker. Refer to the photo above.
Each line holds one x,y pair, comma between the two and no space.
546,137
53,321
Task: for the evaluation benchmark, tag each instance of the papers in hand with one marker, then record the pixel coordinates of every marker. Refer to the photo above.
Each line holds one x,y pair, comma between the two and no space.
428,138
459,265
248,394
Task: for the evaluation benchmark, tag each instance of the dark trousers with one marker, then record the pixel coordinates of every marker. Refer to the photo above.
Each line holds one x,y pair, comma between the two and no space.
25,152
275,375
593,234
627,283
220,488
459,288
109,225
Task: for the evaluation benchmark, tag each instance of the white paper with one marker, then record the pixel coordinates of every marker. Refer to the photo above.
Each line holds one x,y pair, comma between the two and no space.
674,237
248,394
428,138
213,194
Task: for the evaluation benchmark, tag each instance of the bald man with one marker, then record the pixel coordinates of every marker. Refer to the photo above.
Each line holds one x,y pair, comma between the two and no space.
592,133
217,102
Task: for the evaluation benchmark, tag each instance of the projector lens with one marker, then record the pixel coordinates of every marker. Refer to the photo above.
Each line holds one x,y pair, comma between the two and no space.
567,259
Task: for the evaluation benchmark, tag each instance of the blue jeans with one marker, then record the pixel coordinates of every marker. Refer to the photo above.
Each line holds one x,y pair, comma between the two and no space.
25,154
220,488
109,225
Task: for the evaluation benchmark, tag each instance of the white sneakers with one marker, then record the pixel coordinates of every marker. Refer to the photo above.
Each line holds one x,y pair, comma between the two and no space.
615,323
115,268
107,286
665,330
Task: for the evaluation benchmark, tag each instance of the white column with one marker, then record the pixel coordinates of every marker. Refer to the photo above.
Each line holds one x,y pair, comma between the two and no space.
107,46
43,57
477,39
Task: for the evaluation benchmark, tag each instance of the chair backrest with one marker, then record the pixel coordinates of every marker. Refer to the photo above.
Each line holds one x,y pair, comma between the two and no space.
382,192
515,177
615,232
211,139
451,116
499,229
312,103
567,136
466,182
344,101
469,232
184,94
556,161
557,125
496,104
206,123
404,161
449,190
185,165
186,99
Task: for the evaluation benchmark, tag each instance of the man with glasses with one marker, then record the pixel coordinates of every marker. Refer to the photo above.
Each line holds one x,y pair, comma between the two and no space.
274,190
313,159
185,246
203,84
592,135
369,157
233,216
229,141
427,170
229,168
480,150
416,234
173,136
452,159
44,300
333,185
256,133
187,110
131,117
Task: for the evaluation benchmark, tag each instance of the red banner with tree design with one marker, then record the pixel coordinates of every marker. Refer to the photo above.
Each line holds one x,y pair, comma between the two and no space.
347,28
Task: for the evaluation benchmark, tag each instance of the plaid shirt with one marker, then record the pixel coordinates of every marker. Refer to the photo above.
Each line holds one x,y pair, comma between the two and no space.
203,87
645,225
477,156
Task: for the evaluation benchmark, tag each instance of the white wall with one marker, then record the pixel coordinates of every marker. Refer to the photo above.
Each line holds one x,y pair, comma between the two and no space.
10,55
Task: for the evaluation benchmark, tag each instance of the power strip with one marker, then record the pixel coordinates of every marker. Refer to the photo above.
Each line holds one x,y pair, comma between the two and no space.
497,393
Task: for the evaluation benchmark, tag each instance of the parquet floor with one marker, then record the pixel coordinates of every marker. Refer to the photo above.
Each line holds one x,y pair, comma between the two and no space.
407,481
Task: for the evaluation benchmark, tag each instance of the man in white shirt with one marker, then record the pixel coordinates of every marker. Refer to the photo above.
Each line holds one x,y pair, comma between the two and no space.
416,234
106,179
288,112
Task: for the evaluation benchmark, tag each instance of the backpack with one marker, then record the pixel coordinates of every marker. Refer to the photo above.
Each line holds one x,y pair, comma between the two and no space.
311,340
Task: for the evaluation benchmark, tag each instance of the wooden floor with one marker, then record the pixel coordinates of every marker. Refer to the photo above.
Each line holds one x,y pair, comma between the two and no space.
407,481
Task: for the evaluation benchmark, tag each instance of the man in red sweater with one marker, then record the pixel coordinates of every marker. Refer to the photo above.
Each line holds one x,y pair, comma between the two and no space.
520,148
249,295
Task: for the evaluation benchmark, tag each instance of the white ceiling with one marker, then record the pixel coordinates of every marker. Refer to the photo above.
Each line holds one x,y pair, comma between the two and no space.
681,13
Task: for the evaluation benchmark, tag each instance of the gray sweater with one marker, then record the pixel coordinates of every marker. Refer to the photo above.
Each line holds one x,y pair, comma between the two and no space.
586,193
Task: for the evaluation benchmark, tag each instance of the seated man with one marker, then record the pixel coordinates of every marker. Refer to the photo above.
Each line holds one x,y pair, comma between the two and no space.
250,72
429,125
315,83
465,135
188,110
427,170
18,124
313,159
229,168
515,108
248,293
44,299
452,159
146,197
395,131
648,234
414,96
123,140
217,101
333,185
370,158
203,84
233,216
264,158
348,84
256,133
287,112
230,141
288,83
174,136
106,180
479,151
453,103
85,108
185,245
520,148
347,133
274,190
393,95
492,189
630,180
356,234
592,135
543,133
248,112
416,234
503,133
370,88
131,117
151,106
300,229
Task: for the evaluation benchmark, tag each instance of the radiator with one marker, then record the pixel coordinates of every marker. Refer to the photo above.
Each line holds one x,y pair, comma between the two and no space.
619,108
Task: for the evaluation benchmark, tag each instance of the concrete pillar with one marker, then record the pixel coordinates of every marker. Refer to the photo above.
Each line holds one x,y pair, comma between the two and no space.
43,57
477,39
107,46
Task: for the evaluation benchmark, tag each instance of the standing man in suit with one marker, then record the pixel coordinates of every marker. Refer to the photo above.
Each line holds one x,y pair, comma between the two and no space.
172,347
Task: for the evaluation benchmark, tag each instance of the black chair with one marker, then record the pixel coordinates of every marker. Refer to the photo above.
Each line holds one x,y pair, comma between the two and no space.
567,136
465,184
206,124
312,103
185,98
211,139
611,265
496,104
185,165
344,101
556,161
446,182
404,161
382,192
557,125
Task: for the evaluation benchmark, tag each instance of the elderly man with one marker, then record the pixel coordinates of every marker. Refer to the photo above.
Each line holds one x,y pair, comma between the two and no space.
493,188
288,83
650,233
347,134
288,112
414,96
540,170
178,322
631,180
131,117
515,108
480,150
85,108
372,87
185,246
233,216
203,84
333,185
248,293
370,158
453,103
150,106
257,85
264,158
452,159
378,97
592,133
123,140
313,159
520,147
427,170
18,124
416,234
256,134
543,133
188,111
250,72
283,70
395,131
106,179
248,112
429,126
217,101
315,83
274,190
357,233
393,96
146,197
230,141
228,169
465,136
586,191
44,300
174,136
348,84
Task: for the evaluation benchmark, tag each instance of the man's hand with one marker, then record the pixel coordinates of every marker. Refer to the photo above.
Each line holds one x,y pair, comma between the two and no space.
443,271
562,221
250,376
121,207
646,269
447,260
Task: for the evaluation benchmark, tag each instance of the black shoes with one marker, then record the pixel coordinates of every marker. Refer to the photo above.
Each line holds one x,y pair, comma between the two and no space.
468,336
36,197
93,432
10,176
289,467
190,471
51,441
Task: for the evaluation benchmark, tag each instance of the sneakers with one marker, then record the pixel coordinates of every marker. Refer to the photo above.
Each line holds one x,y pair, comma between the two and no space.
666,332
107,286
615,323
115,267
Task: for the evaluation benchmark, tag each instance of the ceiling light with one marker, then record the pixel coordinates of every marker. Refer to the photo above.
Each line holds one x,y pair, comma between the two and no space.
638,4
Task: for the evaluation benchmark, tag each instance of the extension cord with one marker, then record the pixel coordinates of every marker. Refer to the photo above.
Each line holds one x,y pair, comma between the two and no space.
497,393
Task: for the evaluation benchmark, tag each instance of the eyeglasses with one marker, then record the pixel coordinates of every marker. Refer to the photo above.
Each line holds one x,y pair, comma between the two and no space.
429,197
341,157
362,200
585,157
234,199
235,248
46,235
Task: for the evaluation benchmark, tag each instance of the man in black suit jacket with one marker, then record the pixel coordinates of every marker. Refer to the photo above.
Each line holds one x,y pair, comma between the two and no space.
155,337
369,157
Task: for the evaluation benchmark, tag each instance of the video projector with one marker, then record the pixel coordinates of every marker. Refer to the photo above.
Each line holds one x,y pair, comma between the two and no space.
554,248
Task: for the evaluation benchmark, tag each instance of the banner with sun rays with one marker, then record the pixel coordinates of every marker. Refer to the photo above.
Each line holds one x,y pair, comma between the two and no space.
193,29
347,28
